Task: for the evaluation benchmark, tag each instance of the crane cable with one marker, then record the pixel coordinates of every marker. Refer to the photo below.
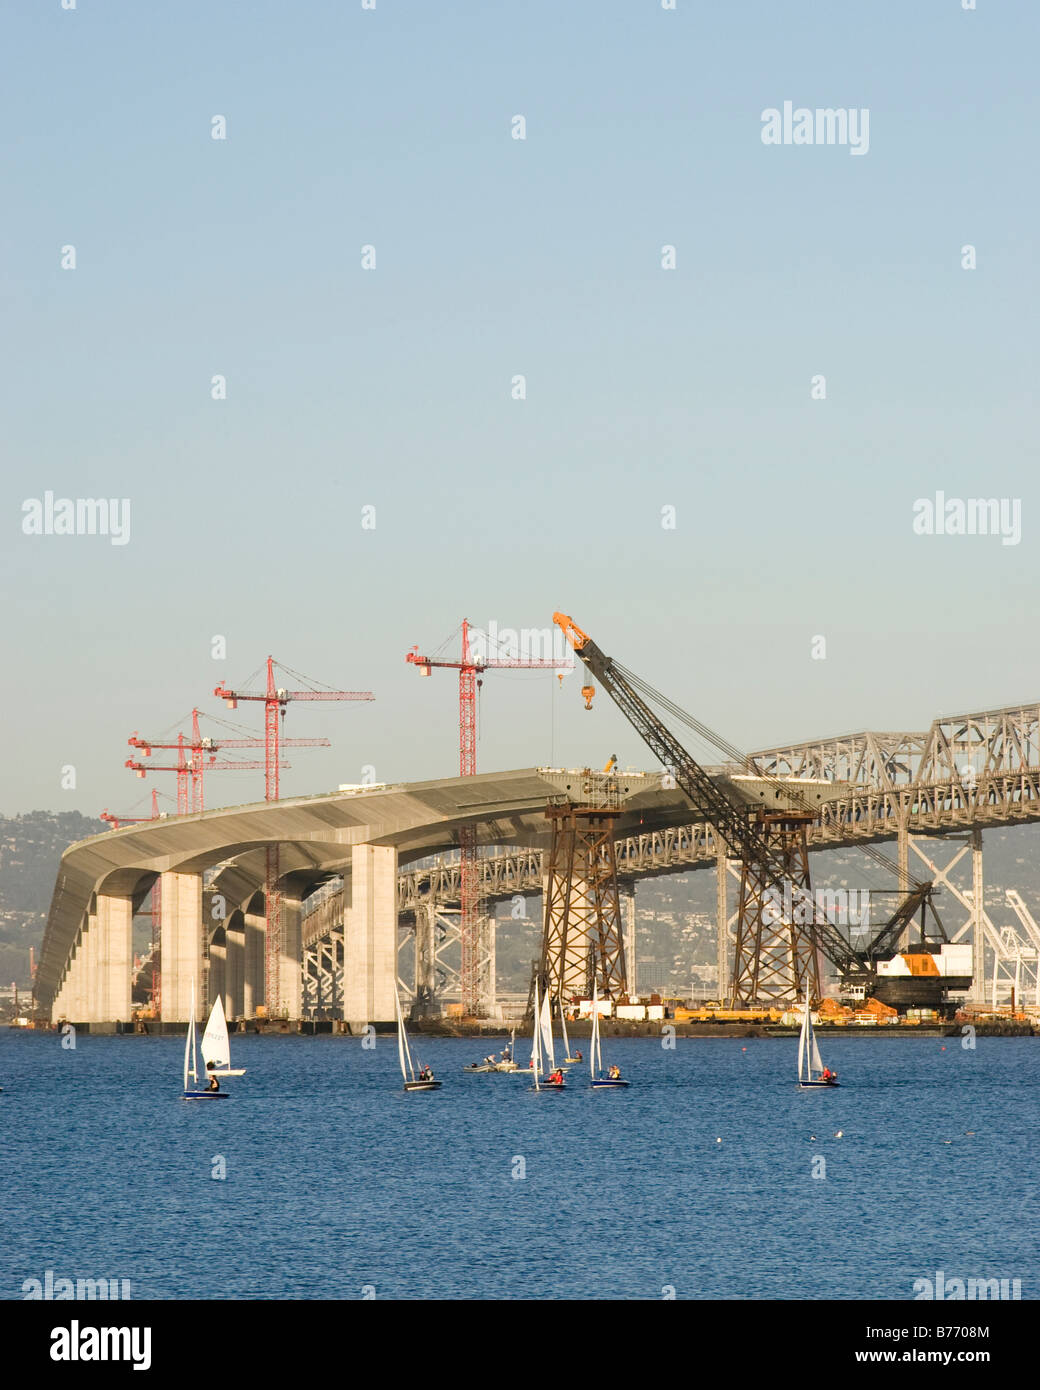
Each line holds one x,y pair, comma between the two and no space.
730,750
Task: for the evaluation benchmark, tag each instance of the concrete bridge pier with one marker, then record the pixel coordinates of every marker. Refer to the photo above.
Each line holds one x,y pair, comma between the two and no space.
181,945
290,964
234,969
67,1001
90,993
370,936
112,928
217,981
253,963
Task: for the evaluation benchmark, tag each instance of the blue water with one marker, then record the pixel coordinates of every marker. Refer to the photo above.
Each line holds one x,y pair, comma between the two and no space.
336,1179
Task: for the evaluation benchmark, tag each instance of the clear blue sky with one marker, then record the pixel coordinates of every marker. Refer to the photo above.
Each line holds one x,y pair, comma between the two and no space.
645,388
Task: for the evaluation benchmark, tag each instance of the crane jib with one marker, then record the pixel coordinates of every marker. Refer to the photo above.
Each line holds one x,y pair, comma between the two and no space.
735,826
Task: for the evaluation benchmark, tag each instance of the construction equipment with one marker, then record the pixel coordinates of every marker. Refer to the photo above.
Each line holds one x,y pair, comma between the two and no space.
116,821
474,988
275,700
773,958
203,750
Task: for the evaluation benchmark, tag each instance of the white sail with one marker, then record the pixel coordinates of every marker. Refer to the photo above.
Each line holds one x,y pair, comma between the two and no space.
189,1043
595,1056
545,1018
215,1047
810,1063
536,1059
187,1050
563,1027
403,1051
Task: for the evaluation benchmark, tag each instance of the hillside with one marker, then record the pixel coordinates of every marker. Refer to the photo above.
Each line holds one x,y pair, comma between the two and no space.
31,847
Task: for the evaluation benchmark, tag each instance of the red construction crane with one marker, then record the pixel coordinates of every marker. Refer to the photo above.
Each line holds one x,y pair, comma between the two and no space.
183,769
469,885
199,746
275,699
117,821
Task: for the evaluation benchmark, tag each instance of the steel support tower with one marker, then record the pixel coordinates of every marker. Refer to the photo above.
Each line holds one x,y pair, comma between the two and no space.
583,933
776,950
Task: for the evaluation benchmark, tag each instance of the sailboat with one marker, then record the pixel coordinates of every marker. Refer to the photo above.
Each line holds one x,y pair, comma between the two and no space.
542,1043
215,1045
810,1064
566,1041
404,1053
191,1060
596,1053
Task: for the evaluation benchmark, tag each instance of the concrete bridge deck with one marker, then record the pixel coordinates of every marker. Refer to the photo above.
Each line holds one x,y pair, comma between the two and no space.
965,773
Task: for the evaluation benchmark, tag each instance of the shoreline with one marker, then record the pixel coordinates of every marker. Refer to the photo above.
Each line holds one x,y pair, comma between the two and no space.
441,1028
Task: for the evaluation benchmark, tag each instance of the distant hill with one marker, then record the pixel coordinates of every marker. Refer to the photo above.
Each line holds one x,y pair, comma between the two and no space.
31,847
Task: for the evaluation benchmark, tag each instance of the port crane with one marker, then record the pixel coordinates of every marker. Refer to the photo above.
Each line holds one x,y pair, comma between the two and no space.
766,863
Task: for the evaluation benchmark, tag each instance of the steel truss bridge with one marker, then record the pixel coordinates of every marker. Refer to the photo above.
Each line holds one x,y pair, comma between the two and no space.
965,774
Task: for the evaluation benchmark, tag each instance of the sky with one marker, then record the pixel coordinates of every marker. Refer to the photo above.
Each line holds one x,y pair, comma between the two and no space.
671,477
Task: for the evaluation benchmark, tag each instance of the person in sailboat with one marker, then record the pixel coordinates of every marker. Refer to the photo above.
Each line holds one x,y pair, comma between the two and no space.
425,1074
828,1075
555,1078
577,1056
214,1080
507,1055
615,1072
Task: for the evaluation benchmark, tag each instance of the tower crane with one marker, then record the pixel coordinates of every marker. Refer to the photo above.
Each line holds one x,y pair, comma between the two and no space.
198,746
764,865
275,699
469,668
116,821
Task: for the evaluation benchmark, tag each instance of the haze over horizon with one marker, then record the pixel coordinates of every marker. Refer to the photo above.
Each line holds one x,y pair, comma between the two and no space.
393,388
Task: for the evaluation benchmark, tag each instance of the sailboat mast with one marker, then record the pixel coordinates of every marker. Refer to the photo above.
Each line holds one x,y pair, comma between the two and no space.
191,1033
563,1026
536,1051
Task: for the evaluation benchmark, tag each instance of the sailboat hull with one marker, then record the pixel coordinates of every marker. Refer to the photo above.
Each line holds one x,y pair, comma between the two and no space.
205,1095
812,1085
422,1085
603,1081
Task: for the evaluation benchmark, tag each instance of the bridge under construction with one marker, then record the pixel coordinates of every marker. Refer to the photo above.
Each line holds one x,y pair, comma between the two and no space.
370,887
